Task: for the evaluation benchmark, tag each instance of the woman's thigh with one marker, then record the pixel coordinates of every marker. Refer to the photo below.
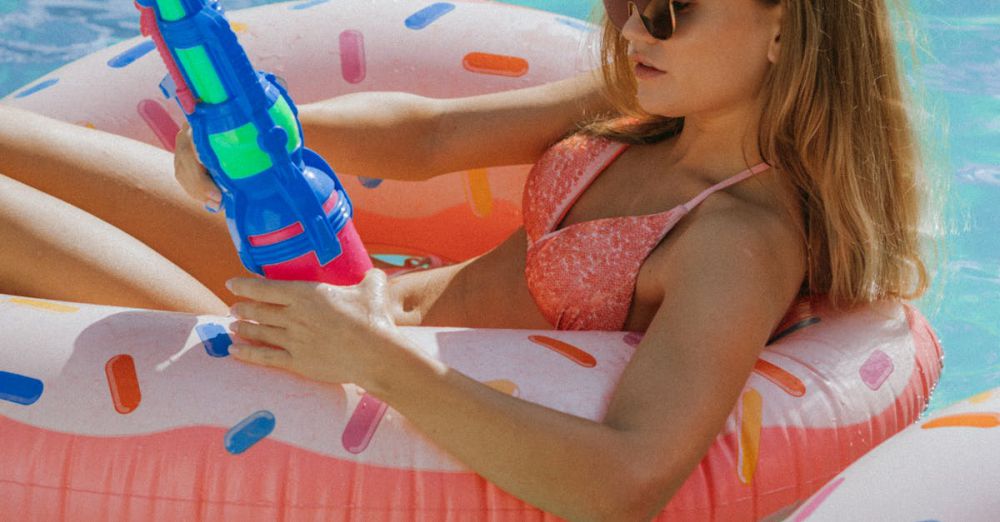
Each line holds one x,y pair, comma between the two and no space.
123,182
51,249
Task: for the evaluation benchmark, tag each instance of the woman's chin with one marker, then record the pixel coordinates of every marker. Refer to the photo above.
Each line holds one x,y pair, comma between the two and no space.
651,100
659,108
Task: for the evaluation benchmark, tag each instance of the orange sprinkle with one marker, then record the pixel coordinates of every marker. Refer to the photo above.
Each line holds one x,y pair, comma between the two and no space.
563,348
982,397
498,64
86,124
750,422
238,27
503,386
44,305
964,420
785,380
477,191
124,383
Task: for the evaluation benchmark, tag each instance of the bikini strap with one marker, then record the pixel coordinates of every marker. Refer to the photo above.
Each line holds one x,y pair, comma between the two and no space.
695,201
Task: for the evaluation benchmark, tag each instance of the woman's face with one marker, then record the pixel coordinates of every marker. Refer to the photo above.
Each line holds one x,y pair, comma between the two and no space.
715,61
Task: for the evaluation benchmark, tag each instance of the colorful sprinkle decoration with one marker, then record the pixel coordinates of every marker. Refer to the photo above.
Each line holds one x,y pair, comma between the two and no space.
249,431
20,389
428,15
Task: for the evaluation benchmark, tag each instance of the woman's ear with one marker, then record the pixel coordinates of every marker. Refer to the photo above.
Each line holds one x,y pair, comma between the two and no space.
774,47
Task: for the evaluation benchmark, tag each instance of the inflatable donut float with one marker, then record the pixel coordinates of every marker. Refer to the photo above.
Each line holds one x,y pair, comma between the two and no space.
110,413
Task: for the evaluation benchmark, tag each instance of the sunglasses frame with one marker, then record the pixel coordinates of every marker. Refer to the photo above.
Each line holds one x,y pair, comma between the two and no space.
652,25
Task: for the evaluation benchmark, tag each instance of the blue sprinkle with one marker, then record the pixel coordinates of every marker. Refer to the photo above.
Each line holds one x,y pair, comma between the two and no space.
35,88
215,339
249,431
429,14
575,24
19,389
307,5
132,54
167,87
369,182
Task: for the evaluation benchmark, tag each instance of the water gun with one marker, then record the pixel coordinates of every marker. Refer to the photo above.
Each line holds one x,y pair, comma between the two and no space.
287,212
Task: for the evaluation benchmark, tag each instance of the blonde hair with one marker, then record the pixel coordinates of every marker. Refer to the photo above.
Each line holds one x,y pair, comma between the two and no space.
834,123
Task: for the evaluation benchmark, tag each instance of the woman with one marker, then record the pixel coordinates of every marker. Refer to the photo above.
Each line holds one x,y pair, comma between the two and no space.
755,151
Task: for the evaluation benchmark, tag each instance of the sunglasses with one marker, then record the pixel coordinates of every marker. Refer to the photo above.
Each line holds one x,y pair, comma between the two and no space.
660,25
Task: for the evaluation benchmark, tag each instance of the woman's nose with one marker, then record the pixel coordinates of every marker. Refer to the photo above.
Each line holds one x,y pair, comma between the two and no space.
634,30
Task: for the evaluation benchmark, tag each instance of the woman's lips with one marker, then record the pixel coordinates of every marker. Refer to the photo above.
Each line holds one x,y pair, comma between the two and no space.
644,71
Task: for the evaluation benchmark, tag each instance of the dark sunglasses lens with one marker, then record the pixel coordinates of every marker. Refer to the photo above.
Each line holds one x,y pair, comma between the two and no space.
661,24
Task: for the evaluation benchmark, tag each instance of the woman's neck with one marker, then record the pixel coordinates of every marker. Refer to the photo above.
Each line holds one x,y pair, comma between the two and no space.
717,144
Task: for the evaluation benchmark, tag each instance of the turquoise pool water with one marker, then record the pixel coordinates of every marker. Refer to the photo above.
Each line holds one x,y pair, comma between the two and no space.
959,69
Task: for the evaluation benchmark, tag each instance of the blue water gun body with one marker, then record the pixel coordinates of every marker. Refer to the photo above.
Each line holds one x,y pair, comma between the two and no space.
288,214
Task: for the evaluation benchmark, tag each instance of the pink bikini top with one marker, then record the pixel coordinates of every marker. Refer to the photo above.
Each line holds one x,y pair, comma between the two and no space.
583,276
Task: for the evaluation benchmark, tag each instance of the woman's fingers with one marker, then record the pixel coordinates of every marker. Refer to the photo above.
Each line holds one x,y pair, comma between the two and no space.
262,313
270,290
191,174
375,278
260,333
262,355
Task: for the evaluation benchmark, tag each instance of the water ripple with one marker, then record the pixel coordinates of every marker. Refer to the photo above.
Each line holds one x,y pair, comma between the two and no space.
39,36
987,174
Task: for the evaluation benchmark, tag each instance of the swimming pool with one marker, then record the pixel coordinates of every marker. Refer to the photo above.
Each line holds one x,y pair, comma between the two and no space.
960,71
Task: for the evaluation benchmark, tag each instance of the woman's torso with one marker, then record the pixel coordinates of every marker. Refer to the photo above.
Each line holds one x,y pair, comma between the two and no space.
634,183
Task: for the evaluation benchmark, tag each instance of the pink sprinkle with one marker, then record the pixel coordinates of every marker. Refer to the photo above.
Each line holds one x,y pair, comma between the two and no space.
813,504
162,124
876,369
361,426
352,56
633,338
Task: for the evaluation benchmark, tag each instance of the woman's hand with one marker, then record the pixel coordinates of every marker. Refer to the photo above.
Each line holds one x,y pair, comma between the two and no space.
327,333
191,174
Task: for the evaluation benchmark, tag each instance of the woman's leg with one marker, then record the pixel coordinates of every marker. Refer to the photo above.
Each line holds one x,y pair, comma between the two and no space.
124,182
53,250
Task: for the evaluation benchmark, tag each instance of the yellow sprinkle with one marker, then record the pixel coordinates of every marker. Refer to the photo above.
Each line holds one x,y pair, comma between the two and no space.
982,397
477,191
750,423
503,386
44,305
238,27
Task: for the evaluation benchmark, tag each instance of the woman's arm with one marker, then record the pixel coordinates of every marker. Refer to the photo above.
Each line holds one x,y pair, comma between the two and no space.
395,135
727,281
511,127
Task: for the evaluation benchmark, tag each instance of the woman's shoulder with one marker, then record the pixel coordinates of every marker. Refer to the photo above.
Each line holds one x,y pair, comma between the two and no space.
761,207
760,239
